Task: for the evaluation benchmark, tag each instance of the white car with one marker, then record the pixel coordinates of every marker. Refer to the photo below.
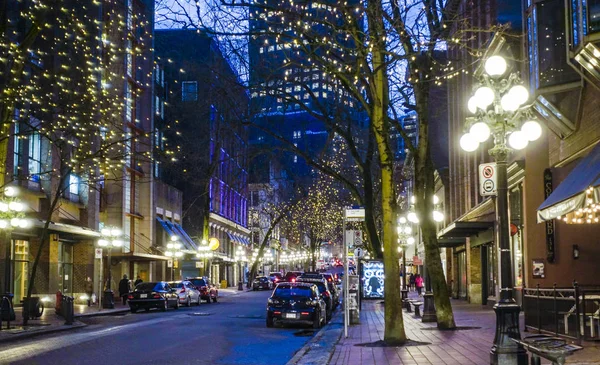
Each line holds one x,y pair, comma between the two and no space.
187,292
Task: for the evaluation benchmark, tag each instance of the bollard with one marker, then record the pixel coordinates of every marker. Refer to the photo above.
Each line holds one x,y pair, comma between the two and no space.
68,310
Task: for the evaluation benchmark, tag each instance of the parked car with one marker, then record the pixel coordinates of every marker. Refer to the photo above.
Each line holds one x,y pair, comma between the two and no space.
323,290
153,295
296,303
291,276
208,291
187,292
332,286
262,282
275,277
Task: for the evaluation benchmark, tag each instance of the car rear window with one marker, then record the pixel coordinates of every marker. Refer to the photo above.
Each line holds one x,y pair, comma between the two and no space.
198,282
175,284
286,292
148,287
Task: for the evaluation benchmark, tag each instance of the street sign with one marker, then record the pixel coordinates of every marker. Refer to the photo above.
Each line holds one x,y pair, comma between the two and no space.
488,179
359,253
354,214
169,263
199,264
98,253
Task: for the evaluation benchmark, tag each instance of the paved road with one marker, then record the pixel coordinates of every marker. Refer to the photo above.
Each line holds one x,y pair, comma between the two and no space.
234,332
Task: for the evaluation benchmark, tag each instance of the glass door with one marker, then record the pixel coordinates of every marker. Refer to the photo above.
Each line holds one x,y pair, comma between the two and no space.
21,269
65,267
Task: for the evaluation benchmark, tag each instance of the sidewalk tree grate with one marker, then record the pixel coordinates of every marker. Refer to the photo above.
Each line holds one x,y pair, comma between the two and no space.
245,316
199,314
458,328
385,344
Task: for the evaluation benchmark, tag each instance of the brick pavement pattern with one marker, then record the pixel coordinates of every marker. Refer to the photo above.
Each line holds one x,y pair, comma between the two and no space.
461,347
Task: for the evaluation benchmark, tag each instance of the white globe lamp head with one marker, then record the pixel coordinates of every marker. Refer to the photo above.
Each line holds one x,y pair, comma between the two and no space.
485,97
532,130
438,216
495,66
402,220
410,240
480,131
115,232
509,103
117,243
468,142
407,230
519,93
412,217
472,104
102,243
436,200
105,231
11,191
518,140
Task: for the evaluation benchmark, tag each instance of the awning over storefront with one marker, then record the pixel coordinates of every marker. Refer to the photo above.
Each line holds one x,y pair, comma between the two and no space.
451,242
581,188
175,230
241,240
69,229
464,229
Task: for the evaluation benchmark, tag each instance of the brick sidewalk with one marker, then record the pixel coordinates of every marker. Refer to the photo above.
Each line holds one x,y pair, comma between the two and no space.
466,346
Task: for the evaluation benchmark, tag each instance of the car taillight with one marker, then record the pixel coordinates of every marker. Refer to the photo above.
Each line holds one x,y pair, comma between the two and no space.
293,280
130,296
276,280
156,296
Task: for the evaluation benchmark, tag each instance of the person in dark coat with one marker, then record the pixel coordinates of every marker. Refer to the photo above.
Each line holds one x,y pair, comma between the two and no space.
124,288
89,290
137,281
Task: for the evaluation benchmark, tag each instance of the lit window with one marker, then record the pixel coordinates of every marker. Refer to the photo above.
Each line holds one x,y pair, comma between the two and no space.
157,105
74,184
261,50
35,154
189,91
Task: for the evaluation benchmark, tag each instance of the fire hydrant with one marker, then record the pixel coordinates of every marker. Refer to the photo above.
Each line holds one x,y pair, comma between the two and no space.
58,306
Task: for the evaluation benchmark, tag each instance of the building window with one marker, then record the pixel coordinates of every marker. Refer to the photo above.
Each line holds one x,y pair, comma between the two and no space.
17,151
74,182
189,91
129,58
128,102
157,105
515,199
35,155
295,158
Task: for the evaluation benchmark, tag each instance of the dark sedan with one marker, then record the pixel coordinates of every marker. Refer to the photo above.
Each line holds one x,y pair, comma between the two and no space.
262,282
323,290
296,303
153,295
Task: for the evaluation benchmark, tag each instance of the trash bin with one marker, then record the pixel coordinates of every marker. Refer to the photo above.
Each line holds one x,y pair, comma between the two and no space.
108,302
32,307
7,313
223,284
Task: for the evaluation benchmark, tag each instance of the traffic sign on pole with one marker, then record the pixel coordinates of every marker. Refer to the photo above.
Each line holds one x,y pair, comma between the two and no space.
488,179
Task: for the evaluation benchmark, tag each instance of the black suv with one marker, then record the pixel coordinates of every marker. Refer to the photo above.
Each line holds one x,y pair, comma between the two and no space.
296,302
261,282
321,283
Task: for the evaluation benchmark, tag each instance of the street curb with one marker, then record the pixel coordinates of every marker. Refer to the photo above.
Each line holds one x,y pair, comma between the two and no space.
102,313
319,349
27,335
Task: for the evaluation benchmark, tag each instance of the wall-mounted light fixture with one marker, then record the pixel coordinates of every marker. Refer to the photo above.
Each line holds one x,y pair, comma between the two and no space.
575,252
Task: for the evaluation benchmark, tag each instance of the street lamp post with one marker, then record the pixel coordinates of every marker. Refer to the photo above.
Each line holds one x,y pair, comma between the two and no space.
111,237
498,106
240,257
205,254
174,250
405,239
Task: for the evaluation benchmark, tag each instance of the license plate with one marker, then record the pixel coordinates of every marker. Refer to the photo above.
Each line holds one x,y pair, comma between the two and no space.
143,295
290,315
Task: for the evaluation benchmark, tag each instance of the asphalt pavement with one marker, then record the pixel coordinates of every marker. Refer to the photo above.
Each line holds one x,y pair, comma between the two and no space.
229,332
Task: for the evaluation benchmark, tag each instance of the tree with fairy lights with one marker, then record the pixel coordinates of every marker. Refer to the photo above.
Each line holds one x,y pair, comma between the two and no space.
384,57
66,100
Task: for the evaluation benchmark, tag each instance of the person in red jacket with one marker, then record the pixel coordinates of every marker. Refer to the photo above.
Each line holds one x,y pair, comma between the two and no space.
419,283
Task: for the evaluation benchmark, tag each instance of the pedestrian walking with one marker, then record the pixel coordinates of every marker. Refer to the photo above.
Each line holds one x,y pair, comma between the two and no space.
419,283
137,281
124,288
411,281
89,290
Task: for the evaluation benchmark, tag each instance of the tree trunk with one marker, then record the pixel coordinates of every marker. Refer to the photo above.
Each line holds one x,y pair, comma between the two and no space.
424,191
263,245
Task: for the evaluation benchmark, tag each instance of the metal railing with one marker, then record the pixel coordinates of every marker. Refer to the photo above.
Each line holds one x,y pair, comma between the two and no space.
555,310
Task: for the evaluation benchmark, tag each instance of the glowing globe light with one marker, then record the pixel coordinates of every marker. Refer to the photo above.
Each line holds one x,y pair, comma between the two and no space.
532,130
509,103
102,243
436,200
495,66
518,140
472,104
484,96
480,131
438,216
410,240
412,217
15,222
3,223
117,243
402,220
407,230
16,206
3,207
11,191
105,231
519,93
468,142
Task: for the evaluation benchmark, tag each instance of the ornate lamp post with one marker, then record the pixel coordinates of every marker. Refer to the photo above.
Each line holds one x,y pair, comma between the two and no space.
111,237
205,254
498,106
405,238
240,257
174,250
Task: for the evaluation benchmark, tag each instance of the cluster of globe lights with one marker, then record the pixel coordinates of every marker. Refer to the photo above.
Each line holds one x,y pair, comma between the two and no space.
240,254
266,257
111,236
506,97
411,217
12,210
174,248
293,256
204,251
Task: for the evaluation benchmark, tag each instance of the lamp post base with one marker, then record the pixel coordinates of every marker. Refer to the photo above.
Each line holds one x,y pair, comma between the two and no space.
504,350
428,308
108,301
240,285
405,303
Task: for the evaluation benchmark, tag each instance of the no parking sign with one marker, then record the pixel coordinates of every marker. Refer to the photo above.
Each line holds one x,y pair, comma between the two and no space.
488,180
